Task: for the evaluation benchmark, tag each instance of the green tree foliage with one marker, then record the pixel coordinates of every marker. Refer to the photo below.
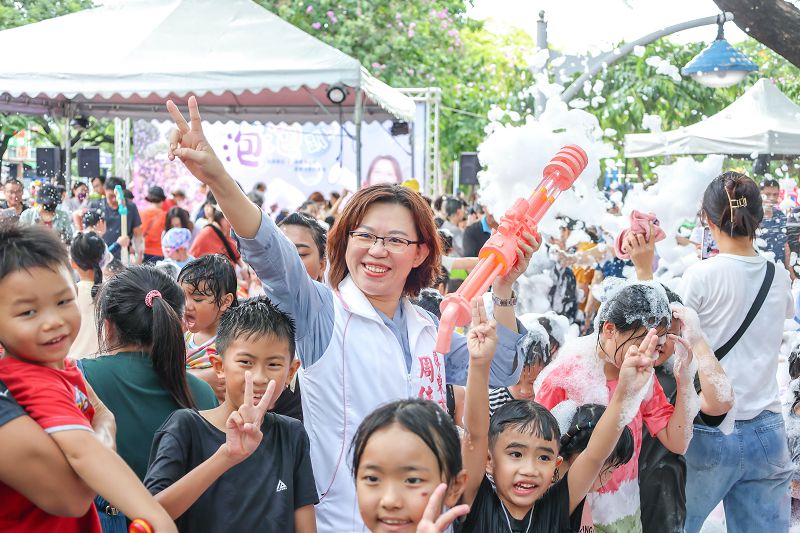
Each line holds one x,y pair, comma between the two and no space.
632,88
425,43
15,13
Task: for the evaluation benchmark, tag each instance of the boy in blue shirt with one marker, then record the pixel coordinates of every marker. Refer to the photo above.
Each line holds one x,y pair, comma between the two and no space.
200,462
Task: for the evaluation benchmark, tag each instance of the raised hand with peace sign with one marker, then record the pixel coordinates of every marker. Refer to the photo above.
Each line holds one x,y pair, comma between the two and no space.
243,427
433,520
188,143
482,336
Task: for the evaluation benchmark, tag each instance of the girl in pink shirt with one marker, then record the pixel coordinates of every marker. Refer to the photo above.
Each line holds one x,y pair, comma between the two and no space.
587,371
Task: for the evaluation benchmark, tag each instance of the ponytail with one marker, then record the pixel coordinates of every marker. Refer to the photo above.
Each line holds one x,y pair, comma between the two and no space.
168,343
732,202
88,251
98,280
576,438
144,306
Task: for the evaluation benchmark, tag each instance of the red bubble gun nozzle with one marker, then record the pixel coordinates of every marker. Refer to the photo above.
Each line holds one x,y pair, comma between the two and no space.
499,254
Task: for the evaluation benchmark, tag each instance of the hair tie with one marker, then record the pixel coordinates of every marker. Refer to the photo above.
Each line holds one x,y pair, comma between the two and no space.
148,299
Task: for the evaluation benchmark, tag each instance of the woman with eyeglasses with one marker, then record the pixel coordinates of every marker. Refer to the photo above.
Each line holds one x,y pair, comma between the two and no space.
744,462
360,340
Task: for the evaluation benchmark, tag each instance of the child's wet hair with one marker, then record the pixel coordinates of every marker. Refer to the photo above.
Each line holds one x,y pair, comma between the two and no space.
576,438
553,342
155,328
255,318
114,267
526,417
537,349
423,418
635,305
92,217
27,247
672,296
212,275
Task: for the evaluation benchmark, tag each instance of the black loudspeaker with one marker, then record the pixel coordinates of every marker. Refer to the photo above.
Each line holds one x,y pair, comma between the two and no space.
89,162
468,169
48,162
761,165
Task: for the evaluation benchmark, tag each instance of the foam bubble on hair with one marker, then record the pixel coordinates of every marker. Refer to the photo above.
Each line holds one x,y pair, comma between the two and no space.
559,324
536,335
564,412
651,310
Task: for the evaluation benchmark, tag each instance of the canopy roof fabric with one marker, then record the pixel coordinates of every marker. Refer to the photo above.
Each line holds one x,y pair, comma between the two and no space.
762,121
240,60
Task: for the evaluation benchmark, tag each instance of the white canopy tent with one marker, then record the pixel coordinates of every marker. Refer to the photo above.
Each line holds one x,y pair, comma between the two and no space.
762,121
241,61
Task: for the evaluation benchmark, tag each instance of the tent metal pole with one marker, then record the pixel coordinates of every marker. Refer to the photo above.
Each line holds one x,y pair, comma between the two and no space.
69,113
357,119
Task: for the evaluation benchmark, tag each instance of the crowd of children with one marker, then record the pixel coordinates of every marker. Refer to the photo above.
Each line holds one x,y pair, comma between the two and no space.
275,376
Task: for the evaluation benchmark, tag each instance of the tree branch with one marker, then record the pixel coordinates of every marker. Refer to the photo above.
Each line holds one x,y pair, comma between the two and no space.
4,140
774,23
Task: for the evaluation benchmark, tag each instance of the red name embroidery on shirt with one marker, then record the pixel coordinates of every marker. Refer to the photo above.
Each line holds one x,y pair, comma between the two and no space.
425,367
426,393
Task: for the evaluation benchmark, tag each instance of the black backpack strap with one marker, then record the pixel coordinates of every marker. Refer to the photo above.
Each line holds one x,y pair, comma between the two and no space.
723,350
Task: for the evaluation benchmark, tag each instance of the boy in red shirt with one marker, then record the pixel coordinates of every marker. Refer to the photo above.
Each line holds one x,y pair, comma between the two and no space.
39,320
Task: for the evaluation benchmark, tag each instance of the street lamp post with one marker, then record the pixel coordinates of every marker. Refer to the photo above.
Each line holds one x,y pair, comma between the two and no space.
719,64
615,55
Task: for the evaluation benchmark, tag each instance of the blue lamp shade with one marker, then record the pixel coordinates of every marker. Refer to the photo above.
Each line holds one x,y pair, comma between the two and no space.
719,65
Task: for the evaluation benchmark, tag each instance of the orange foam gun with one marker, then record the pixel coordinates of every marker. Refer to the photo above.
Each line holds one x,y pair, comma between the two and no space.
499,254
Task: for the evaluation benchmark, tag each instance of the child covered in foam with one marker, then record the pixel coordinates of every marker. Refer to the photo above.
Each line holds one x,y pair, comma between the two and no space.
587,371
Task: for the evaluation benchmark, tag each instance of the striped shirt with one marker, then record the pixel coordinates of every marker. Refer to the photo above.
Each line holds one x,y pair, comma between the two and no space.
498,398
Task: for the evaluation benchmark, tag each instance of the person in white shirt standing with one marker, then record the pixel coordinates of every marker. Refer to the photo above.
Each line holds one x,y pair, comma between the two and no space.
748,468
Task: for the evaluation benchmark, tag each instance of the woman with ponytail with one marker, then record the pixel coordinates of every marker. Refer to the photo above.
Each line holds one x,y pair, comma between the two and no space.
741,300
88,257
142,378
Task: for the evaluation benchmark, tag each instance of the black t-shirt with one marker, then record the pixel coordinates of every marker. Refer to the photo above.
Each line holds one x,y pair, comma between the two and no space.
289,403
259,494
474,238
549,515
9,408
662,476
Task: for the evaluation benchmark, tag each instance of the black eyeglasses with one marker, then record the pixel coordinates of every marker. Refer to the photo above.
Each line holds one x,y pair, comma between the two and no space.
364,239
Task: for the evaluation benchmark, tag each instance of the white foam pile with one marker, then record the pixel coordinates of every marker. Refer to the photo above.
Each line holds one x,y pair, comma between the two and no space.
514,157
675,198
